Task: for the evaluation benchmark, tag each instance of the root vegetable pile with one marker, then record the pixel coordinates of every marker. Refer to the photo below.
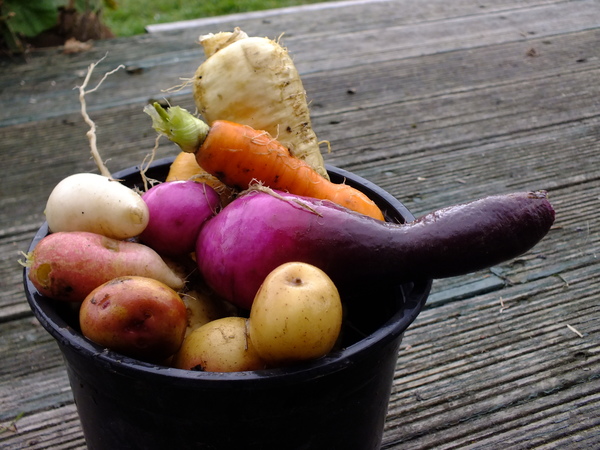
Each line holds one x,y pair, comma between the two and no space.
242,258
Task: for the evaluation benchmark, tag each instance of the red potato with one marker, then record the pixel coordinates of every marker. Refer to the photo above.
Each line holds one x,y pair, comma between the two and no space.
69,265
136,316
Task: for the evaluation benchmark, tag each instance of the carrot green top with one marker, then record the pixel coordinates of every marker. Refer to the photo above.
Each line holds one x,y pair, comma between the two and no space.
179,126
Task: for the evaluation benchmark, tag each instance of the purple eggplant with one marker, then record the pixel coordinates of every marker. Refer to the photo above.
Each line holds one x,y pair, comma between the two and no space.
257,232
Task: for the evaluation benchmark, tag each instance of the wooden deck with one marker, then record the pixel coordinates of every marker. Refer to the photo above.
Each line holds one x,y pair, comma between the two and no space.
438,102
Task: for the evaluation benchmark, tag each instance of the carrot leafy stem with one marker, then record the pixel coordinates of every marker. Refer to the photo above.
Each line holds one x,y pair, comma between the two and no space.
178,125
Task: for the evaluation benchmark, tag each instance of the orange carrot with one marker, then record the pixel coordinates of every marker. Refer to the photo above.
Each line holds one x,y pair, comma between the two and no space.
185,167
239,155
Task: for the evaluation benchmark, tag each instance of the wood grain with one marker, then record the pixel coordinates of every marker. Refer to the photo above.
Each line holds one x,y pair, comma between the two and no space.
437,102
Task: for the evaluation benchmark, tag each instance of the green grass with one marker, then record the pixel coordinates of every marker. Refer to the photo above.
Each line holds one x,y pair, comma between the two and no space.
131,16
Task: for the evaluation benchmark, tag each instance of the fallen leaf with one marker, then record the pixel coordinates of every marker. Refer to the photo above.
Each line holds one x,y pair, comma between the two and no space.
72,45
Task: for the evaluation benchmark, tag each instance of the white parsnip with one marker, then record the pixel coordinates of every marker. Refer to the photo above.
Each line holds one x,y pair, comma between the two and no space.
253,81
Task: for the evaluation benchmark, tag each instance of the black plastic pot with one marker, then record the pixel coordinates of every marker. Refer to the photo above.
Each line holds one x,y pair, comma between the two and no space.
337,402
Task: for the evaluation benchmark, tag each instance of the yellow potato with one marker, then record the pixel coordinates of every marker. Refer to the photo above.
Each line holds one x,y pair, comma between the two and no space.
219,346
296,315
203,308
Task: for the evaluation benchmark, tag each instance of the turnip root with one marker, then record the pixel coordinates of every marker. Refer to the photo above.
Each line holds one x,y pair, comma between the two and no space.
253,81
97,204
259,231
177,211
69,265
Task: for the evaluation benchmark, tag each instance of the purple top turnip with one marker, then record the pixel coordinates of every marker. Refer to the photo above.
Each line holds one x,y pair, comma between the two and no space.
178,209
257,232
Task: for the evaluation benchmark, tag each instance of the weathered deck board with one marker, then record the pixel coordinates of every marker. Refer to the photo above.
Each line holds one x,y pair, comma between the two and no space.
33,368
438,102
534,349
174,56
57,429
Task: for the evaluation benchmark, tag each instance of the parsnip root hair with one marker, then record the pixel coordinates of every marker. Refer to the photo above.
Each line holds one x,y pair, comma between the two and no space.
91,134
253,81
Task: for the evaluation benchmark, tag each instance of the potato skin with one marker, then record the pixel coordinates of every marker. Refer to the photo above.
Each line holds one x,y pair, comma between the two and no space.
296,315
67,266
219,346
136,316
204,307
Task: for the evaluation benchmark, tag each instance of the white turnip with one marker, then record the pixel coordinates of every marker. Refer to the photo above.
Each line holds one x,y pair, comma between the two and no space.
97,204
